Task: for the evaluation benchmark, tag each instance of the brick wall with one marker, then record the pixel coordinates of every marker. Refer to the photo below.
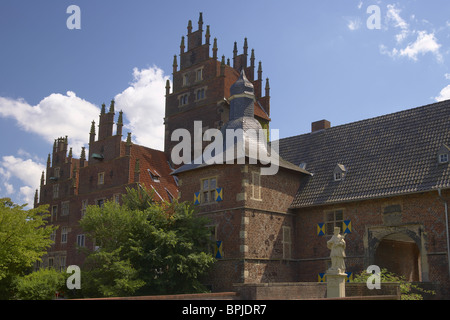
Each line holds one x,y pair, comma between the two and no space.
420,221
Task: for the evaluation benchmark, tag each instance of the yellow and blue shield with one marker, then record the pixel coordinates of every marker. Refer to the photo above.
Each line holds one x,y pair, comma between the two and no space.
196,198
218,195
218,252
347,226
321,229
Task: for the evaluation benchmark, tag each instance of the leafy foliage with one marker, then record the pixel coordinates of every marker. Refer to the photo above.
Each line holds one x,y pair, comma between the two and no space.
145,247
408,290
24,239
40,285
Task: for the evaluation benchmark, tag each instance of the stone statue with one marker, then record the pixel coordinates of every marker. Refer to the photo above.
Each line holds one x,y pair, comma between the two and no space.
337,255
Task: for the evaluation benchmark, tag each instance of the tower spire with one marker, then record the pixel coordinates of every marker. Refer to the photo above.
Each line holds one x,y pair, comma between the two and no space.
111,106
182,46
215,48
200,22
175,64
207,35
189,27
259,71
119,123
245,46
252,58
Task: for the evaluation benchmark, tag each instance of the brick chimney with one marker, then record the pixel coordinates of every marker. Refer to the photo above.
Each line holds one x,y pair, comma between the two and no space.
320,125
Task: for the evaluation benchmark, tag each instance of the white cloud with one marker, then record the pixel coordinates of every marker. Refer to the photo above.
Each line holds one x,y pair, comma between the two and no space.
354,24
420,43
393,15
26,171
143,104
444,94
425,43
55,116
58,115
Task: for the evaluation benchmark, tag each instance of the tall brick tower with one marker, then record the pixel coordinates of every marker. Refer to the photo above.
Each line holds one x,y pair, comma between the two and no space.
201,85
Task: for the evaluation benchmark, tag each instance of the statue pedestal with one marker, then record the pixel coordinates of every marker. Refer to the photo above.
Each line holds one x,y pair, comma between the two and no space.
336,284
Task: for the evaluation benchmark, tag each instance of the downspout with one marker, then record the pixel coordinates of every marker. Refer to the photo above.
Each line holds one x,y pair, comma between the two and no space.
446,228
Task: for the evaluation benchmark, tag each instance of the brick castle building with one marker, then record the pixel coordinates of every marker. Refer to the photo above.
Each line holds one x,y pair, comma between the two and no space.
384,181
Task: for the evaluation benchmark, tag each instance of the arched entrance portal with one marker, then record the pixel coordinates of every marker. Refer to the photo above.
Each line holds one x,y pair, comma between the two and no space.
399,254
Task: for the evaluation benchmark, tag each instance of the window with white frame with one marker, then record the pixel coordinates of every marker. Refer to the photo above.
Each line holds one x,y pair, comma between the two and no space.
64,231
84,205
62,263
53,236
55,191
101,178
443,158
81,240
65,208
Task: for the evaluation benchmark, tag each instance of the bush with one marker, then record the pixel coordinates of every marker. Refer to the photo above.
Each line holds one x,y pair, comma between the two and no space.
40,285
408,290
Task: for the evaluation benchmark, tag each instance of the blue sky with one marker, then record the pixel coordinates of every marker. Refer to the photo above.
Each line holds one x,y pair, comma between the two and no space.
322,60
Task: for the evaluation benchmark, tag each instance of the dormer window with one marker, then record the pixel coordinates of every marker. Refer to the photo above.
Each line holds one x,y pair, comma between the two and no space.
154,175
443,154
339,172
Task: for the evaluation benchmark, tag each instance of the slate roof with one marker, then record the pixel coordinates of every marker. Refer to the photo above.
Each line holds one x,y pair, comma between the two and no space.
384,156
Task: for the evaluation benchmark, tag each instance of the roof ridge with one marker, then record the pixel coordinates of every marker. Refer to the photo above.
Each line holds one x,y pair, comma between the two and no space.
332,128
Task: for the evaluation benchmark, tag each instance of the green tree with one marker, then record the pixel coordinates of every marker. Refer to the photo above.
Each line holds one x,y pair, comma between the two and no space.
145,247
24,239
40,285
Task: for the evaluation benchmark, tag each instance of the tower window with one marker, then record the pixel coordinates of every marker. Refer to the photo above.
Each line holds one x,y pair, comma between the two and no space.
101,178
55,191
184,99
208,189
185,79
199,75
200,94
